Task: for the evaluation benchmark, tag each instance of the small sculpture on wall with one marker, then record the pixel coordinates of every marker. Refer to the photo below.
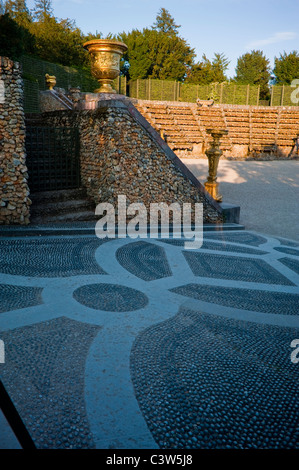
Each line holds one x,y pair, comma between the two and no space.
50,81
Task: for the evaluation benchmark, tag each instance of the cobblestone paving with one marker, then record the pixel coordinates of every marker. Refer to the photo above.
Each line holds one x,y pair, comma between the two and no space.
291,263
143,344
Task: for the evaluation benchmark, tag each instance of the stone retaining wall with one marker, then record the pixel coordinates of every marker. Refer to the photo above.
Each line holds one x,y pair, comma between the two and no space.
14,191
121,154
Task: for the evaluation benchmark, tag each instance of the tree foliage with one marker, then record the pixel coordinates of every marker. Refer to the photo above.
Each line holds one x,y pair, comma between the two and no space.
18,11
253,68
286,68
59,41
165,23
206,71
42,9
157,52
15,40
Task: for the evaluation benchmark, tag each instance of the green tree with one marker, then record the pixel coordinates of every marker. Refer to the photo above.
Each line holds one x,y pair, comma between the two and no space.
18,11
206,71
165,23
59,41
286,68
253,68
220,65
201,72
42,9
15,40
158,52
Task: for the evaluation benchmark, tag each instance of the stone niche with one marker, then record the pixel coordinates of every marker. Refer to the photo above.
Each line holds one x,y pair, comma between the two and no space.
14,190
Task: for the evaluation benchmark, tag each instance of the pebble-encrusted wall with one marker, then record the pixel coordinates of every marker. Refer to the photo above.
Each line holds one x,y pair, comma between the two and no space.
14,191
121,154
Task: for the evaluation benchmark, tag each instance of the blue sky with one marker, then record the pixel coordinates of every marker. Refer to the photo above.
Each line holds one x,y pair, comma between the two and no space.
229,26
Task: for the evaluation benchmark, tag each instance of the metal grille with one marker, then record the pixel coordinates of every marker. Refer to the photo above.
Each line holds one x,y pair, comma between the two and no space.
52,158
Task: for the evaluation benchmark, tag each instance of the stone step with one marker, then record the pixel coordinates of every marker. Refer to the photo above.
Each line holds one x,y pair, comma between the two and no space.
61,207
59,195
67,217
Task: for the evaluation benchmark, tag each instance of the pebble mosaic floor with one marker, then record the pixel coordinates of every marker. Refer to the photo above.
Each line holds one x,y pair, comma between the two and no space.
121,344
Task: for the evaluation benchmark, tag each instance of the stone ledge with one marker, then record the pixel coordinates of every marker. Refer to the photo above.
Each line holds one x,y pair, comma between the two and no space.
231,212
86,228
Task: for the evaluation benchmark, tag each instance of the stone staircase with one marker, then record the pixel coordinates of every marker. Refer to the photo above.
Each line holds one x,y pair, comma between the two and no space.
72,205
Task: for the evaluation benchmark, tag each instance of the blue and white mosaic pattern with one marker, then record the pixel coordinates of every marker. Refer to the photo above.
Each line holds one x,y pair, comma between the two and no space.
214,383
110,297
57,257
45,368
14,297
242,269
291,263
143,344
280,303
144,260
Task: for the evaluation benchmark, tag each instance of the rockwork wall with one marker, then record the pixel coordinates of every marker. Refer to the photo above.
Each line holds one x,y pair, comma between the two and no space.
121,154
14,191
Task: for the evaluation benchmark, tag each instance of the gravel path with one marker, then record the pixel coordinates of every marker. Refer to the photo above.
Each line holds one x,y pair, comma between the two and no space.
267,192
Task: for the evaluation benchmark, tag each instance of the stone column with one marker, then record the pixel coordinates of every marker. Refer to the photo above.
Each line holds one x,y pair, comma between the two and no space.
14,190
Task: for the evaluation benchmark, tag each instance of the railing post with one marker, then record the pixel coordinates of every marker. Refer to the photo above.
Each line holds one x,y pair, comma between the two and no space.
247,95
282,96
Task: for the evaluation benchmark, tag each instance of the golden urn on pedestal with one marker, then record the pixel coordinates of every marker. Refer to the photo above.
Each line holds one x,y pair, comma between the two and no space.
105,57
213,154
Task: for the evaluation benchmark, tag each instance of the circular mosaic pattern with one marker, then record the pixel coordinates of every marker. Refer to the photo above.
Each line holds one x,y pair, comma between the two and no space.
110,297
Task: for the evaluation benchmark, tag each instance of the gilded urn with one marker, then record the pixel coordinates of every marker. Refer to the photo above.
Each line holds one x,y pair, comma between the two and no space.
105,58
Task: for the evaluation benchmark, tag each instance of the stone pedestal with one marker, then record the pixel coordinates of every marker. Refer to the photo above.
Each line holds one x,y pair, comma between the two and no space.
212,189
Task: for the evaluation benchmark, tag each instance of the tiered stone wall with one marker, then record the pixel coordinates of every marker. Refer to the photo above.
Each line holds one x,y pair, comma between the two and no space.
14,191
121,154
260,132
